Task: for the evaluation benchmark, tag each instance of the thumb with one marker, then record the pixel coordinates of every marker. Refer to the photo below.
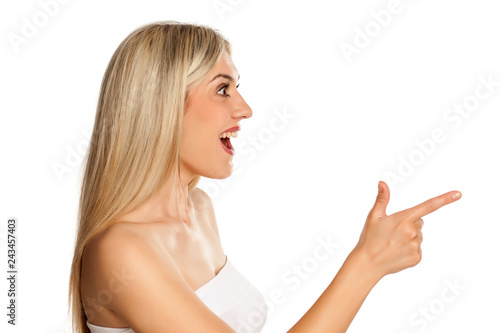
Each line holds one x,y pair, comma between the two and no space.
382,200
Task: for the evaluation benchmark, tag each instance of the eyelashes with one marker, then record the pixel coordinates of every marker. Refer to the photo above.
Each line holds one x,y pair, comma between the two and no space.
224,88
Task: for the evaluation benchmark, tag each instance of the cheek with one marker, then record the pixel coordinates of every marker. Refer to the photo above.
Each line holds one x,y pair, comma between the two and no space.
199,135
203,121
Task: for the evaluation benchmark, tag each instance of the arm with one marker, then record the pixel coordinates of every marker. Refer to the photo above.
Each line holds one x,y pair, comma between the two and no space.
336,307
388,244
147,290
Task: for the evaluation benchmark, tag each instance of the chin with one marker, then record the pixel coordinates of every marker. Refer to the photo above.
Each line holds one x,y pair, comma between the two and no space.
221,173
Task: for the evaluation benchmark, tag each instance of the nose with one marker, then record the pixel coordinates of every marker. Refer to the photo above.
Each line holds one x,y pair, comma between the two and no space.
241,108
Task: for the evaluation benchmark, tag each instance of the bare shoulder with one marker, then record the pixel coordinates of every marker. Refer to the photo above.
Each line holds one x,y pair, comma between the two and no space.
116,237
204,203
124,246
144,286
106,252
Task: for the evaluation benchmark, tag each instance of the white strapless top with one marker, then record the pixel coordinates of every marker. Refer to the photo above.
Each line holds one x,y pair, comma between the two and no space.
230,296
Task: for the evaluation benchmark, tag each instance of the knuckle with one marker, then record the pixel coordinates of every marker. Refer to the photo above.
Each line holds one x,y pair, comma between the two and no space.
417,258
421,225
380,198
412,232
415,246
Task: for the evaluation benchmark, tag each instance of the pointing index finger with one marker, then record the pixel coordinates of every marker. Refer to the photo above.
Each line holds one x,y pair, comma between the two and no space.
432,205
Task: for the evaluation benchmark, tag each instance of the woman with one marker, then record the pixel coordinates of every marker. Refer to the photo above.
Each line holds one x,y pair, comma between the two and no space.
148,256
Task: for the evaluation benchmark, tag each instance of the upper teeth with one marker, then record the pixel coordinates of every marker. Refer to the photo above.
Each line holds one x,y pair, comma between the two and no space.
229,135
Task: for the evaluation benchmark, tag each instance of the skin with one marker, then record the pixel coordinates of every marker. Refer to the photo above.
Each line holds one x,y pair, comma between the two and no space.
189,252
164,259
387,244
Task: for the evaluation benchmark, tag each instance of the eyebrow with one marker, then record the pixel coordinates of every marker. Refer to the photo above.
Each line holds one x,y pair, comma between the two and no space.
227,76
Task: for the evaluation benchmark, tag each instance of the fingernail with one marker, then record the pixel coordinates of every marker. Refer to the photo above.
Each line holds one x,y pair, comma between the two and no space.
456,195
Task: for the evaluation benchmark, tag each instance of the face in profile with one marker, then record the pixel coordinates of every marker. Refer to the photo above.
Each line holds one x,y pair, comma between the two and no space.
213,107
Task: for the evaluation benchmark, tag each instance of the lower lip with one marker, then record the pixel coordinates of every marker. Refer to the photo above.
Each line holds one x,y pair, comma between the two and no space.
229,151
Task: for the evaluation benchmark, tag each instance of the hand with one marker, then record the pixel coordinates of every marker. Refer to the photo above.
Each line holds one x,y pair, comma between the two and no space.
392,243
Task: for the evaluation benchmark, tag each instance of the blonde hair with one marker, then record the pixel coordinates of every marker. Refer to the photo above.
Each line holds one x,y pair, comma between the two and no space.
135,144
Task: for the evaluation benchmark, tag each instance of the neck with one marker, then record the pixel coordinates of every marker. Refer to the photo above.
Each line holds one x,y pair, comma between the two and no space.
162,206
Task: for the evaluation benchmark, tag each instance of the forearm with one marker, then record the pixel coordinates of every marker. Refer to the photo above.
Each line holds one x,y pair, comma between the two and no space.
336,307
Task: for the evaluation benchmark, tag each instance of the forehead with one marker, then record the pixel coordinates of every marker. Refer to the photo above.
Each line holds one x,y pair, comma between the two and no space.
225,65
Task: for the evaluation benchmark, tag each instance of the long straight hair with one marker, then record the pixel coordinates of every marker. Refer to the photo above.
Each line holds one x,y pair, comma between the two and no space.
135,143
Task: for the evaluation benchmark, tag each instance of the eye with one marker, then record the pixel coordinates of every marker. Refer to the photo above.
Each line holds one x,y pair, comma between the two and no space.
224,88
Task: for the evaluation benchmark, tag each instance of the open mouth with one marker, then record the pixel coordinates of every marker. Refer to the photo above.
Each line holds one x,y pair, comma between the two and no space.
226,142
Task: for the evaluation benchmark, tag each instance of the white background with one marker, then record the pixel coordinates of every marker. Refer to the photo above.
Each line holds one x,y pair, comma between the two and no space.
352,120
